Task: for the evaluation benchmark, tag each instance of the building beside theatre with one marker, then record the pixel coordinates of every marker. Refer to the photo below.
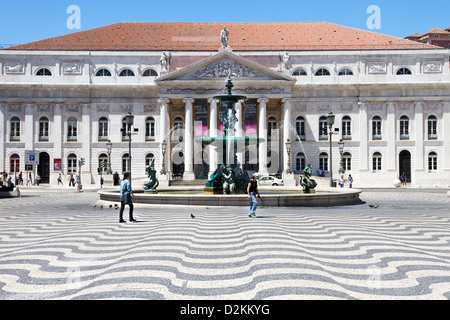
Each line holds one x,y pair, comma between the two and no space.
66,97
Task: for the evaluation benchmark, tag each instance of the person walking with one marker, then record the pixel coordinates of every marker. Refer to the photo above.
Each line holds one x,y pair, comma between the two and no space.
71,181
30,180
252,191
341,181
350,181
126,195
60,179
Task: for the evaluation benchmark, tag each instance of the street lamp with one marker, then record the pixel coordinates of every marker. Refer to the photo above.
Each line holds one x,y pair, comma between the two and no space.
108,152
163,162
288,151
341,152
330,123
129,121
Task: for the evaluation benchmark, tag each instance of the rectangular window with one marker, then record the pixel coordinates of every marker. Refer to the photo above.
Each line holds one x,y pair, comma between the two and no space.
376,165
103,131
323,164
72,131
432,129
15,131
150,131
43,131
323,130
376,130
404,129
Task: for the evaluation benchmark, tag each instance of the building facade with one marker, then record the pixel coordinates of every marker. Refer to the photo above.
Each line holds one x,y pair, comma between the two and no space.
66,97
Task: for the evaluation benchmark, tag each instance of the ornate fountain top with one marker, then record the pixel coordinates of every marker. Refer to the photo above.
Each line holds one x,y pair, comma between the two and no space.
229,85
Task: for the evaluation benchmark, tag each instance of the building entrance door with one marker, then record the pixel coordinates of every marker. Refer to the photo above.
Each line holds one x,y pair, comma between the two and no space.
44,167
405,164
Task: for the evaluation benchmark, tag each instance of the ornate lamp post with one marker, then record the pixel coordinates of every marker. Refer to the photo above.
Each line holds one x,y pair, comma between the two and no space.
330,123
163,162
288,150
341,152
108,152
129,120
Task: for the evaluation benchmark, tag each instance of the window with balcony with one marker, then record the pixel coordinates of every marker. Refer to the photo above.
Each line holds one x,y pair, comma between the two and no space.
300,128
376,128
150,132
432,127
72,125
404,128
43,129
15,129
103,129
323,128
346,128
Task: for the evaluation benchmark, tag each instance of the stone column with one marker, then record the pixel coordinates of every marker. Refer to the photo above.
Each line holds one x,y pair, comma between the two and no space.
419,132
29,125
391,156
363,133
213,132
240,131
188,140
57,140
86,144
163,125
289,178
3,134
262,133
446,137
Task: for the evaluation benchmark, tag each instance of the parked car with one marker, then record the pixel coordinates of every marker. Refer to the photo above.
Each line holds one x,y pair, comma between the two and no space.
270,181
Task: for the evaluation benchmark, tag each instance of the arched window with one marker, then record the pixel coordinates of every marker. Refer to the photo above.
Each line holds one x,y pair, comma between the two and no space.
300,162
150,73
404,128
271,126
103,129
71,163
125,163
347,161
404,71
178,126
299,72
15,129
346,72
43,72
376,128
126,73
43,129
432,128
432,161
323,128
376,162
150,132
15,163
72,125
103,162
150,160
103,73
323,161
346,128
322,72
300,128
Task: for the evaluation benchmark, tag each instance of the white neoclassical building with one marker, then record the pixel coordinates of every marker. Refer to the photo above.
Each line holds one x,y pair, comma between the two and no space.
66,97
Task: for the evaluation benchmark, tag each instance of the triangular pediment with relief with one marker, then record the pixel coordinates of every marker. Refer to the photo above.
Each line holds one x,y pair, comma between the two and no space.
222,65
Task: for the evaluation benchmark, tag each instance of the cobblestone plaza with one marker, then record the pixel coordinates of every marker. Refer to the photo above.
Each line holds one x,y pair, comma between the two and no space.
54,244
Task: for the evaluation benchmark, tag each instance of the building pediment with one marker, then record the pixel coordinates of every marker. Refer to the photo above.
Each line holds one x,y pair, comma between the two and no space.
218,67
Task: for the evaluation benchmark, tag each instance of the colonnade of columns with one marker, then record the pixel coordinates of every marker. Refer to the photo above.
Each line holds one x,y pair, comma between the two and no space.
214,132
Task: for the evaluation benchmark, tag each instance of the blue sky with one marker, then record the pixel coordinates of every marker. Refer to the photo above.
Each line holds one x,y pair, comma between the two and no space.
23,21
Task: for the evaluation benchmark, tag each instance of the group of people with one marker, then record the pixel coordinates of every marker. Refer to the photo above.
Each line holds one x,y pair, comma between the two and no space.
342,181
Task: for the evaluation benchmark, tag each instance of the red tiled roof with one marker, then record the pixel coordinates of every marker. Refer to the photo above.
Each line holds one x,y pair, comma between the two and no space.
436,31
201,36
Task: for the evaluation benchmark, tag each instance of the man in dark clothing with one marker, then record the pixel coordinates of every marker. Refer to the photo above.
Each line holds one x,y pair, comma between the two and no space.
252,191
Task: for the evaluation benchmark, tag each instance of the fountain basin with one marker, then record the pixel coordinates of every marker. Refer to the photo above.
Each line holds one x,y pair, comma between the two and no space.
280,197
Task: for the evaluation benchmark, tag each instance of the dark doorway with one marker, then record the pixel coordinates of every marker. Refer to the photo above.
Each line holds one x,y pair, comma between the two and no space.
44,167
405,164
178,165
201,170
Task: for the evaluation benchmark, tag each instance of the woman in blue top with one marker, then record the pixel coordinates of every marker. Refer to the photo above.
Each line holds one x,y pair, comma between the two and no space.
125,197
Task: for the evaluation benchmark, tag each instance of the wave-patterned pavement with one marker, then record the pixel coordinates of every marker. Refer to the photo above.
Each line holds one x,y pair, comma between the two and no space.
75,251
